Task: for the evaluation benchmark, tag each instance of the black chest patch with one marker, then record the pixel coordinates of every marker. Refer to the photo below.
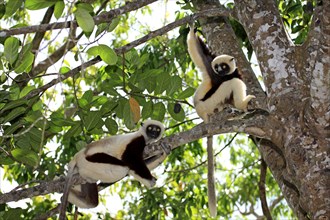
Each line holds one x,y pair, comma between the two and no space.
217,81
134,150
104,158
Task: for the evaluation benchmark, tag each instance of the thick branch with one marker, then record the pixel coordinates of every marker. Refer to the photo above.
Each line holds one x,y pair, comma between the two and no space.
270,42
316,68
222,123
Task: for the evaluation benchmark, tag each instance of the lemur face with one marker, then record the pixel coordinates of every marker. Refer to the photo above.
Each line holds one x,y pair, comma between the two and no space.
222,68
224,65
153,131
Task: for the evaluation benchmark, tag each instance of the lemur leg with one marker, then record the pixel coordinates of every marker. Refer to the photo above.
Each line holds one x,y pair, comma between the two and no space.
241,100
84,195
141,172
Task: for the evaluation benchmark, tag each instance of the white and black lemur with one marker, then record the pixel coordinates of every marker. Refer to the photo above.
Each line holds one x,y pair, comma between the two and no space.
221,85
111,159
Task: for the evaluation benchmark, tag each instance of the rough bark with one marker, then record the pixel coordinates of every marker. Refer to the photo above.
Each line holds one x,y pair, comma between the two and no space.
297,87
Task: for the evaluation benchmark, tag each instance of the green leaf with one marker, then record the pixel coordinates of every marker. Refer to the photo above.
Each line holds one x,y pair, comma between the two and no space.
39,4
120,107
188,92
163,82
108,107
12,128
25,156
177,116
100,28
93,120
111,125
37,106
58,9
26,91
107,54
128,117
159,111
84,20
12,214
25,62
176,83
64,69
75,130
114,23
12,6
147,109
87,7
88,96
2,10
14,104
4,160
11,49
149,84
14,114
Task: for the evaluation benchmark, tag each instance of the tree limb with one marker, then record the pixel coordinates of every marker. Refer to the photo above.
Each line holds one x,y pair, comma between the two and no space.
221,123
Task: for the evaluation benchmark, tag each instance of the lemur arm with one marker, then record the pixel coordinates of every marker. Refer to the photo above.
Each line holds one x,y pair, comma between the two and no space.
199,52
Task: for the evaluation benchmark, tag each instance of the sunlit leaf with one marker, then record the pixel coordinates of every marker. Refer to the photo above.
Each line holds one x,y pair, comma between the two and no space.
107,54
12,6
84,20
11,49
39,4
114,24
188,92
26,91
25,156
58,9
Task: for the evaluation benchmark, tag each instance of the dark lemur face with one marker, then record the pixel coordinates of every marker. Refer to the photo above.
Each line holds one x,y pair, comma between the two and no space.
222,69
153,131
224,65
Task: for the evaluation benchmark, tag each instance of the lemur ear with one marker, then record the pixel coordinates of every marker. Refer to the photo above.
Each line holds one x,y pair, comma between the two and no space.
232,59
141,124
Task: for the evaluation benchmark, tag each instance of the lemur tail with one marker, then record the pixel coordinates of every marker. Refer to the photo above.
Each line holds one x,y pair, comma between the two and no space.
210,178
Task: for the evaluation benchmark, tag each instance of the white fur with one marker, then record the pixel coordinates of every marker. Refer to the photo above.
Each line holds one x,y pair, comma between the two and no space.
216,101
108,173
79,202
114,146
192,43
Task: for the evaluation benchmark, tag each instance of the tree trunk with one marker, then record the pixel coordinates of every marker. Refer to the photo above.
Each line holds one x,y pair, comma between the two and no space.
296,146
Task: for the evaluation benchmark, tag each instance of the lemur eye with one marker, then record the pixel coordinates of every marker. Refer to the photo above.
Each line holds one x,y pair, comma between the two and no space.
158,129
149,128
